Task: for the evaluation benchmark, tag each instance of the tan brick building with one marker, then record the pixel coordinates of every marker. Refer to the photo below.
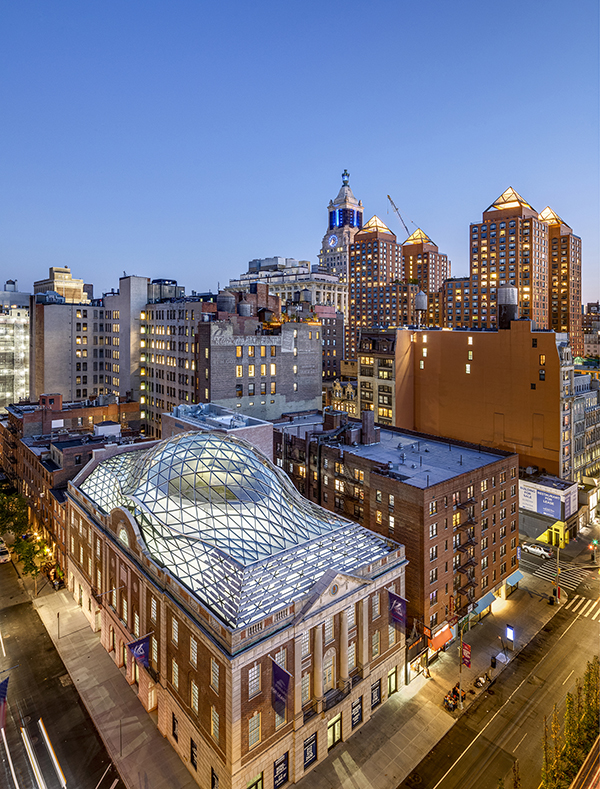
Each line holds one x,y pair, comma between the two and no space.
230,572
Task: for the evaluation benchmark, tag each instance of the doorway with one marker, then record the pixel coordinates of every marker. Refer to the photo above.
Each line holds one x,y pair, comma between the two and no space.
334,731
392,681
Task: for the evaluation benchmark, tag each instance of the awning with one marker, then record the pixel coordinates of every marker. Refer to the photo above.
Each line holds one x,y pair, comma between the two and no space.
514,578
486,600
440,638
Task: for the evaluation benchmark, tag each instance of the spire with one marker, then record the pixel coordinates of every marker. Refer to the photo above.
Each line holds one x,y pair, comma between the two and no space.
345,178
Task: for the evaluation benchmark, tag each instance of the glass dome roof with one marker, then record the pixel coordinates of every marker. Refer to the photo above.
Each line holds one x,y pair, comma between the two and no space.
231,526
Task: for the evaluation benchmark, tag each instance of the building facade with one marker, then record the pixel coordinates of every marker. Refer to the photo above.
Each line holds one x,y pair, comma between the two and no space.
14,355
218,632
423,263
60,280
453,505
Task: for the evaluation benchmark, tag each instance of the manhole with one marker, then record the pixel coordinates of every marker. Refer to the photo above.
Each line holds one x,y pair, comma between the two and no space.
414,779
27,719
65,680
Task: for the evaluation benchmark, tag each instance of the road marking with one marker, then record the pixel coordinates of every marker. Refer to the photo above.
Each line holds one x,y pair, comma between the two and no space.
567,679
581,602
115,782
100,781
586,607
597,614
12,769
495,715
520,741
2,644
39,778
57,768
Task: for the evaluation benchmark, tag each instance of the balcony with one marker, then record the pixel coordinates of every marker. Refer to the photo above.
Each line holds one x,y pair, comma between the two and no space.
334,696
466,545
470,584
465,567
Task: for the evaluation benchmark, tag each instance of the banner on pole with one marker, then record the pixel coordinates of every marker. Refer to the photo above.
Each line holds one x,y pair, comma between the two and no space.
466,655
279,689
398,608
140,650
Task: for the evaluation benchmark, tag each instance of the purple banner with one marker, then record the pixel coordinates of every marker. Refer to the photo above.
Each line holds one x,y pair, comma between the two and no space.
398,608
279,690
140,650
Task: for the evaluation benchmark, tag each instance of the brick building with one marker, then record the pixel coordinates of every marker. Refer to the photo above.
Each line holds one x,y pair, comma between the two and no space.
453,505
194,569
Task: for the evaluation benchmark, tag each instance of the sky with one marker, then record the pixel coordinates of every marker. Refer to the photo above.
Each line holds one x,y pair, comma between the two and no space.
182,139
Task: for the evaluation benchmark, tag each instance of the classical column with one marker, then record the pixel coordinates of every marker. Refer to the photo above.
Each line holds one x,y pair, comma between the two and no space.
343,648
363,637
318,667
298,716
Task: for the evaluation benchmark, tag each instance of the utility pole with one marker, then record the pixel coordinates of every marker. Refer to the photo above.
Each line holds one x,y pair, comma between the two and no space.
460,668
558,573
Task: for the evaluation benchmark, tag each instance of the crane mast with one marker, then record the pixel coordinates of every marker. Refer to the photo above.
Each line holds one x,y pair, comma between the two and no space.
399,215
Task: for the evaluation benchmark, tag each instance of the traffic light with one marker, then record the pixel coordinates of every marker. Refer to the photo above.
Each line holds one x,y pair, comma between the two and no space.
594,542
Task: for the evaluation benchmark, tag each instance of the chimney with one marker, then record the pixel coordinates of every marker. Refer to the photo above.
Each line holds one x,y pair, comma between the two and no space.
369,433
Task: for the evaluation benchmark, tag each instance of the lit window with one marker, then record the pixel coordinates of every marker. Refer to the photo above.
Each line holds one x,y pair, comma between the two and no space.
468,369
238,351
273,368
214,724
239,371
421,365
175,631
194,696
251,370
175,674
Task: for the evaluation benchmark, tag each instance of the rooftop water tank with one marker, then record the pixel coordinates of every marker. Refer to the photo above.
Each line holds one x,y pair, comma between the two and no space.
226,302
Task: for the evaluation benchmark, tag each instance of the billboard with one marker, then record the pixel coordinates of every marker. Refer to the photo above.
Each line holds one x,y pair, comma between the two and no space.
547,500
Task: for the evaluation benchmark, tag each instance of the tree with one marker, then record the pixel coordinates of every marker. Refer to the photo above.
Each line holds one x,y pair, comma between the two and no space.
556,746
591,705
501,783
547,776
572,748
29,552
515,775
14,516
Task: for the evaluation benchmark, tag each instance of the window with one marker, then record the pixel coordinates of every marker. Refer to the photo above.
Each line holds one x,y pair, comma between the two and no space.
194,696
238,352
433,530
273,368
273,350
352,656
433,598
254,730
214,724
305,688
351,617
251,351
433,552
175,631
484,485
174,727
263,369
329,629
214,675
253,681
375,644
194,754
375,602
432,507
391,635
484,563
433,574
175,674
305,643
391,502
239,371
467,369
154,650
251,370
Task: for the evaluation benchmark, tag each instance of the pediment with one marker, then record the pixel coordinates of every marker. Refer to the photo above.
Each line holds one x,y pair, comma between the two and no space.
331,587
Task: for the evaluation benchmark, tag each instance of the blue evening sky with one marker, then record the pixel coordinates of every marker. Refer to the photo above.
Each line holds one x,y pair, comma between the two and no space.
184,138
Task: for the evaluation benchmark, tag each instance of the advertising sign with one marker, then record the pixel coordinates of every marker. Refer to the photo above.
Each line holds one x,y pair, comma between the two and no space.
310,750
356,712
527,497
466,655
571,502
549,504
280,771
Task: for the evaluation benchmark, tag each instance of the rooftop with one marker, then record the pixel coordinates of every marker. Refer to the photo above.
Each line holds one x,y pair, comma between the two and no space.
208,416
229,525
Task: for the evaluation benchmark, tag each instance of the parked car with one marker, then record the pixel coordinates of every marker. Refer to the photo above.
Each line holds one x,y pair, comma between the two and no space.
4,554
538,550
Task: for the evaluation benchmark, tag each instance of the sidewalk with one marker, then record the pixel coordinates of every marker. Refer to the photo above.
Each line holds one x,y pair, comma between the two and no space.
382,753
143,757
388,748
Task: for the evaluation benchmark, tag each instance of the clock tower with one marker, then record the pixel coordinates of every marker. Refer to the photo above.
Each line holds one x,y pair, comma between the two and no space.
345,220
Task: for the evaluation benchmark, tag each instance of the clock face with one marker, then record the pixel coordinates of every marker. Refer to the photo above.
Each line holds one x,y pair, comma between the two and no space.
333,241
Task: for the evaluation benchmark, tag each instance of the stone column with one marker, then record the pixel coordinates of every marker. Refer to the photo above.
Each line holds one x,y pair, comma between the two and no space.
298,716
343,648
318,667
363,637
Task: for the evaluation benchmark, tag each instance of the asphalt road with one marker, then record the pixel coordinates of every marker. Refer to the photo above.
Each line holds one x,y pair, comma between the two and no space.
40,687
507,724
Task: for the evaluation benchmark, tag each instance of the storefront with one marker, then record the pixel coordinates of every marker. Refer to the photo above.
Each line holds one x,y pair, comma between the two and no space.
483,607
438,641
416,658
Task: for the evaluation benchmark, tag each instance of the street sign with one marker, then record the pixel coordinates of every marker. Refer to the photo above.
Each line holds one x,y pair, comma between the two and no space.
466,655
452,620
519,553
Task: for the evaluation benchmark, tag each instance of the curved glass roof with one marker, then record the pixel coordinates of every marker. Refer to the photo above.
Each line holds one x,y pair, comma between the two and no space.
231,526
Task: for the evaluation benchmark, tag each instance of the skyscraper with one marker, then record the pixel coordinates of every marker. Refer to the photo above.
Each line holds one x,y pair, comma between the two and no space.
564,280
345,220
423,262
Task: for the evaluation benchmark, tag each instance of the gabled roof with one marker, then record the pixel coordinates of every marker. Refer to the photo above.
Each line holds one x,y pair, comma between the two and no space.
418,237
508,199
375,224
550,217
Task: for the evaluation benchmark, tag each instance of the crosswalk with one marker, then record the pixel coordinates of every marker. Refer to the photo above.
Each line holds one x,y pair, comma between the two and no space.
570,577
583,606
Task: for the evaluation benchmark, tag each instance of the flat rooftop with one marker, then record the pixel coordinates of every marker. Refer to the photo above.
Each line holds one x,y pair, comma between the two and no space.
421,461
209,416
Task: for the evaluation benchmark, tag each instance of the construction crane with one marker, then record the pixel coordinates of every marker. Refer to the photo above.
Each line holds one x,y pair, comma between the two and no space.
399,215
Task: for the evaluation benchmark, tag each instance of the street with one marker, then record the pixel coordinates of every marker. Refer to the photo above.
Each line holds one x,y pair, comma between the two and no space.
40,687
507,723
